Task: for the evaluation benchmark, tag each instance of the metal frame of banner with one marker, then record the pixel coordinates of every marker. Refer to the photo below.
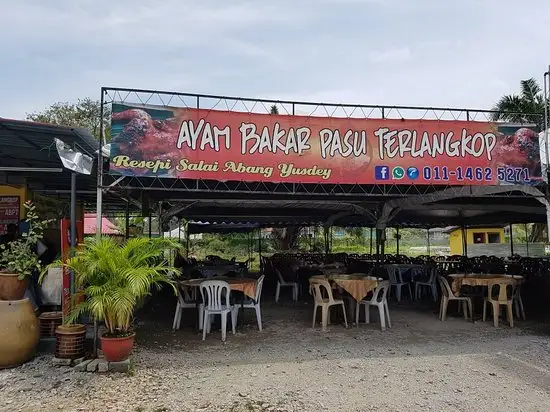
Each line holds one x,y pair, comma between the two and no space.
107,182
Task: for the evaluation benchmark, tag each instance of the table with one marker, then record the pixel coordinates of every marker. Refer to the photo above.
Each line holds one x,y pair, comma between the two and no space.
474,279
357,286
414,268
245,285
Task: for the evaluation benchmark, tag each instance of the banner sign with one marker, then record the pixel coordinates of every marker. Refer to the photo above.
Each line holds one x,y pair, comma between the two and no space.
222,145
9,212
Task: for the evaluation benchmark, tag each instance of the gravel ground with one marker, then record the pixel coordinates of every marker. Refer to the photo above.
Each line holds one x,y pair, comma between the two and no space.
419,364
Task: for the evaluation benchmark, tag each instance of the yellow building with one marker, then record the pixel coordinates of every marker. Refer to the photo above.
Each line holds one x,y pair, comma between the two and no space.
475,236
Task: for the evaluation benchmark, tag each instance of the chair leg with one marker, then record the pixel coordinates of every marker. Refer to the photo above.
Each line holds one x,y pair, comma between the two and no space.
434,293
464,308
277,292
471,308
224,326
177,317
382,317
206,317
398,292
387,313
485,303
522,310
324,314
444,308
510,315
416,291
410,291
496,314
345,317
357,308
295,292
234,319
367,313
314,315
259,317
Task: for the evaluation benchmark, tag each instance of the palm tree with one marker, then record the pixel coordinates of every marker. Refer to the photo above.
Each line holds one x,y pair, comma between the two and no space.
527,107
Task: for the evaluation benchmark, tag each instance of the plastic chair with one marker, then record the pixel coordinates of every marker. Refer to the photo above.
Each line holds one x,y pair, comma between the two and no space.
448,295
215,296
186,301
253,303
325,303
282,283
396,281
428,283
380,300
499,294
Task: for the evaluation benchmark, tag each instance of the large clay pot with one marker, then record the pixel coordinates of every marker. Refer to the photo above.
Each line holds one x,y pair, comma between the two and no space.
11,288
19,332
117,349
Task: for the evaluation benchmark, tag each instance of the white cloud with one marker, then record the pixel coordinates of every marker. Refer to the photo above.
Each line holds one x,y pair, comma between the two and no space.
390,56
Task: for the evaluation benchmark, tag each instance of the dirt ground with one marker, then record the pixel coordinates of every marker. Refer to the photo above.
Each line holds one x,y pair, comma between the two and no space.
419,364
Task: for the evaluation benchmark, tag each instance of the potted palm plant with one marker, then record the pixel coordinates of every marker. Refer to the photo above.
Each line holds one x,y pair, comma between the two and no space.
19,259
112,278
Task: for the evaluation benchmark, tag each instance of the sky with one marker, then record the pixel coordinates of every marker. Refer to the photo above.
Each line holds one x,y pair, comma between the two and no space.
450,53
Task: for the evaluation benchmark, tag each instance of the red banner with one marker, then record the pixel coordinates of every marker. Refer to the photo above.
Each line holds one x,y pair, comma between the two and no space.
221,145
9,212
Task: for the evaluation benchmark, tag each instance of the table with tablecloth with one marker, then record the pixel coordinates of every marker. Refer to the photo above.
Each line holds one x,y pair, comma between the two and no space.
246,285
474,279
357,286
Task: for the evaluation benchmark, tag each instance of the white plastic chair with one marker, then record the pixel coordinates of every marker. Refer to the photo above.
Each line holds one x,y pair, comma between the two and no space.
185,301
429,283
282,283
253,303
215,297
396,281
316,286
380,300
448,295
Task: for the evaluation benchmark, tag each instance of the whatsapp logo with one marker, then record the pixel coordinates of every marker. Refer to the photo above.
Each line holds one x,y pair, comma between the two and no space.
398,172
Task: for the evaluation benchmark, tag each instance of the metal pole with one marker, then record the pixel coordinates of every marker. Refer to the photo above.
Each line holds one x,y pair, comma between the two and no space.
150,222
161,231
464,241
187,240
511,240
260,243
428,231
397,238
546,85
73,226
127,219
370,241
99,200
527,240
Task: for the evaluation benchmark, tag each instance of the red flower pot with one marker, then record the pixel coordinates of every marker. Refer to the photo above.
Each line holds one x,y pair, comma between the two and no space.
117,349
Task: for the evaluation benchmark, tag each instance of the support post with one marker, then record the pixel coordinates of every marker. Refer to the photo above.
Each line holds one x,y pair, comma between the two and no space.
370,241
73,227
127,219
187,235
260,244
397,239
527,239
161,231
464,242
428,232
511,240
150,222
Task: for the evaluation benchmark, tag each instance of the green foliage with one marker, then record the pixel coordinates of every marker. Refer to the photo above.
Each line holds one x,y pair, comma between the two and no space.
526,107
84,113
113,277
19,256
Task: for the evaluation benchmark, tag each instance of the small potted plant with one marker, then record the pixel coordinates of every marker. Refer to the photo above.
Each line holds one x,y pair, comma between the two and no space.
19,259
111,279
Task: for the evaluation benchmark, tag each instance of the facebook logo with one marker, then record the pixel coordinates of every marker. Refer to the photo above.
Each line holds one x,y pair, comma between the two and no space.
382,172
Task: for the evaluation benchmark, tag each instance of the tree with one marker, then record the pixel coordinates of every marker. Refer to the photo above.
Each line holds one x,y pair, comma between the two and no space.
526,107
84,113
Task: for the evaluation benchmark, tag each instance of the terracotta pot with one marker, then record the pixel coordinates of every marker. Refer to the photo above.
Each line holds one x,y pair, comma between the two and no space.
19,333
70,339
11,288
117,349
